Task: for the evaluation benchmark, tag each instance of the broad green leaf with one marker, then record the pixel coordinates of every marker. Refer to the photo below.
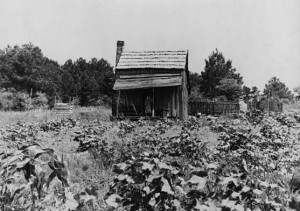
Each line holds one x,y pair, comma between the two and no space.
246,189
146,189
228,203
176,203
200,181
21,164
201,207
239,207
122,166
86,197
182,181
235,194
245,165
258,200
180,189
155,174
273,185
148,166
166,186
71,203
152,202
226,180
264,184
114,200
258,192
212,166
275,204
272,165
162,165
122,177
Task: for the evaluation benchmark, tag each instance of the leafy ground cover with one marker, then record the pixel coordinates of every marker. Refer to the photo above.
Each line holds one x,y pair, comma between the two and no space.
206,163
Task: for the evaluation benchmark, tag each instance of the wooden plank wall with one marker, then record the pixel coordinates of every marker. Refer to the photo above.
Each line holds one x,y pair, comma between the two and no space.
213,108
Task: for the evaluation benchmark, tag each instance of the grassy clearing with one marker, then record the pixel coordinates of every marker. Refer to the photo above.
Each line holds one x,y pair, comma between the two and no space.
13,117
85,114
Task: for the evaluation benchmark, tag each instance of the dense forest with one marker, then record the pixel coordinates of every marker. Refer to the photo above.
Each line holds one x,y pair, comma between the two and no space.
28,79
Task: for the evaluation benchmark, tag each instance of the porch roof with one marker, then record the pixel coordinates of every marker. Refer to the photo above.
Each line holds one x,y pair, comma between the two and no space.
138,82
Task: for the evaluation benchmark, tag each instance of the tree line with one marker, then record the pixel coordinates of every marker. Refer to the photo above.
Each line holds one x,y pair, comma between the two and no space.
26,73
220,81
28,79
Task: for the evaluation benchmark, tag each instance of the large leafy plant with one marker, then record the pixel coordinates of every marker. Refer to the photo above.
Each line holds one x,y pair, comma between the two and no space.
25,175
145,183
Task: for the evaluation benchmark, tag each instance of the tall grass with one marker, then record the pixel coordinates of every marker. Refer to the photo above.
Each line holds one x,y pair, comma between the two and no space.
92,113
13,117
39,115
292,106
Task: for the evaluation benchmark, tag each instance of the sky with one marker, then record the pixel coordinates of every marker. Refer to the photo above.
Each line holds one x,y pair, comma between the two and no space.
261,37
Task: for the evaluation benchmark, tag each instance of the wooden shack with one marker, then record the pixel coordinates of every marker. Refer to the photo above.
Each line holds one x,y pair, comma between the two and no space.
151,83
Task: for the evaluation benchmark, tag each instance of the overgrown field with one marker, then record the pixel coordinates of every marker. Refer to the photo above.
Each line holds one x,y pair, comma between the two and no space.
208,163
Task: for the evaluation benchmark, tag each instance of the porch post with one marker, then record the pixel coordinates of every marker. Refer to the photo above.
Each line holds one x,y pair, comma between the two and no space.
153,102
118,102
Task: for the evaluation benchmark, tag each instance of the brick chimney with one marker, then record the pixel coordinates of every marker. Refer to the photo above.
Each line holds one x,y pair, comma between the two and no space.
120,46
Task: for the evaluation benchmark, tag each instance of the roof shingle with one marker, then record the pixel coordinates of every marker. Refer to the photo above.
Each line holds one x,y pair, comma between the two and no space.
152,59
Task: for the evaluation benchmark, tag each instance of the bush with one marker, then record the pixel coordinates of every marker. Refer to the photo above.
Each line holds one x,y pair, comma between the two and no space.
6,100
39,101
12,100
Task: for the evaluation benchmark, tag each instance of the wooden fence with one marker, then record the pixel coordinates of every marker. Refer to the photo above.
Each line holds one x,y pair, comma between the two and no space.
63,109
213,108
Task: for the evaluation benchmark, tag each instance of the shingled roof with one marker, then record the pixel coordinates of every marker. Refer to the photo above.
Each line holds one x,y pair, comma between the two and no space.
152,59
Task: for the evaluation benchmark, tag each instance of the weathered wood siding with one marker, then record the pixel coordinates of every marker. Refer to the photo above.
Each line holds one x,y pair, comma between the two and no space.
184,95
139,73
213,108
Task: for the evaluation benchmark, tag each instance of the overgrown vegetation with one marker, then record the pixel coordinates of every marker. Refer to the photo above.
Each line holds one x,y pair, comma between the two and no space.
153,165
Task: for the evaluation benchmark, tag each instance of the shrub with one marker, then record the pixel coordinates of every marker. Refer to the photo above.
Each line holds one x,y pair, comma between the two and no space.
12,100
20,101
39,101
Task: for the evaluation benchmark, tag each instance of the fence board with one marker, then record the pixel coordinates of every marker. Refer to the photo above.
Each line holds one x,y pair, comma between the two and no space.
63,109
213,108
